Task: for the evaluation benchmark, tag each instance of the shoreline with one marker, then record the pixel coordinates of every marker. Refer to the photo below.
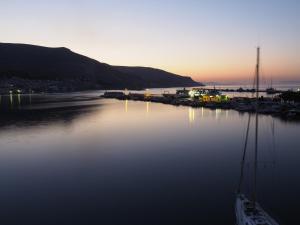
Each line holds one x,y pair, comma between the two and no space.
267,106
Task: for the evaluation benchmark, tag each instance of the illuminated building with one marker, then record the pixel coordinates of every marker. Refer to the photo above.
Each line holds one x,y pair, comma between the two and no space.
208,96
196,92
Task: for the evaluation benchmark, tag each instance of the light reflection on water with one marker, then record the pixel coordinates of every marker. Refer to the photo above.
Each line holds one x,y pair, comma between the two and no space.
191,115
147,107
126,105
138,163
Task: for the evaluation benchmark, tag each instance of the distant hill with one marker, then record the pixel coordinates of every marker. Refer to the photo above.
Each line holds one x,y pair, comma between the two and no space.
153,78
63,69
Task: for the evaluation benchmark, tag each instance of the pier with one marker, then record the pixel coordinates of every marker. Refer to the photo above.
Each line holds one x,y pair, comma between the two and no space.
270,106
242,90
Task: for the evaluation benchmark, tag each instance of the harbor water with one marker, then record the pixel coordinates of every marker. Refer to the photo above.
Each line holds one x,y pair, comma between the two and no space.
104,161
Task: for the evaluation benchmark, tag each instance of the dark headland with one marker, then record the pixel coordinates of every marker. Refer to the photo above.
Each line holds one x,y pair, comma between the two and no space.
31,67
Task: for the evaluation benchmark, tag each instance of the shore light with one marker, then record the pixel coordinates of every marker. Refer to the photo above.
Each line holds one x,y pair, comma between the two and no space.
147,93
191,93
126,92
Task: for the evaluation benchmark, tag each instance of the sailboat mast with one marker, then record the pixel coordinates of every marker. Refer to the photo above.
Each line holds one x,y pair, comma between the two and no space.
257,73
244,156
256,125
271,82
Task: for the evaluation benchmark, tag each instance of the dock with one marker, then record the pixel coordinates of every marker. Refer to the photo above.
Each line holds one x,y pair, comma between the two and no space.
269,106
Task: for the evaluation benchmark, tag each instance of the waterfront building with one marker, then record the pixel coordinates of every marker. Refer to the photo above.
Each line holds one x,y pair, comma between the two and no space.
208,95
197,92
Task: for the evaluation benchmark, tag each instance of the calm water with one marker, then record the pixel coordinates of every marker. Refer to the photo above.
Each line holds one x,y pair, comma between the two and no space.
123,162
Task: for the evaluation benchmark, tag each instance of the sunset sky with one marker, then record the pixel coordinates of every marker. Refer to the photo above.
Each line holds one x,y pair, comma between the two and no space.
210,40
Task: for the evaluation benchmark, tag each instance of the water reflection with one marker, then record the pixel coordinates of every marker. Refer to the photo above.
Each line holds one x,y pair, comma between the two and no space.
147,107
126,105
105,157
11,100
14,101
191,115
17,110
218,113
19,99
45,116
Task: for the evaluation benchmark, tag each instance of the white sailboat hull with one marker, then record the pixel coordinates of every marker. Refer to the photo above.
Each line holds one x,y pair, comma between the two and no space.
247,215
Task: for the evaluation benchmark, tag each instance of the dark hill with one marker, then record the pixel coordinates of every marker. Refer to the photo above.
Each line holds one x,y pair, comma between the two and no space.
66,70
154,78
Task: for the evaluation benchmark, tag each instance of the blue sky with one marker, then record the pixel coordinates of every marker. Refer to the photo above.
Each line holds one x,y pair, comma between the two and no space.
206,39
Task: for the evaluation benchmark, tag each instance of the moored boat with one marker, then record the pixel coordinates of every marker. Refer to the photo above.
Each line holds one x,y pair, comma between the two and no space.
249,212
271,91
182,93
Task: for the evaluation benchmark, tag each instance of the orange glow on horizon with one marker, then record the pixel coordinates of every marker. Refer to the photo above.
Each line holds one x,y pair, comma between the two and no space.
207,40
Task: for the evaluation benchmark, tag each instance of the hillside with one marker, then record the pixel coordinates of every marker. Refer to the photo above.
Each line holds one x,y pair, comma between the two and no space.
64,70
154,78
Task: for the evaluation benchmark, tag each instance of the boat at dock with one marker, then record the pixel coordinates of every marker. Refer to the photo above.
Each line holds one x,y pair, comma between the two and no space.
270,90
182,93
248,211
214,92
247,214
